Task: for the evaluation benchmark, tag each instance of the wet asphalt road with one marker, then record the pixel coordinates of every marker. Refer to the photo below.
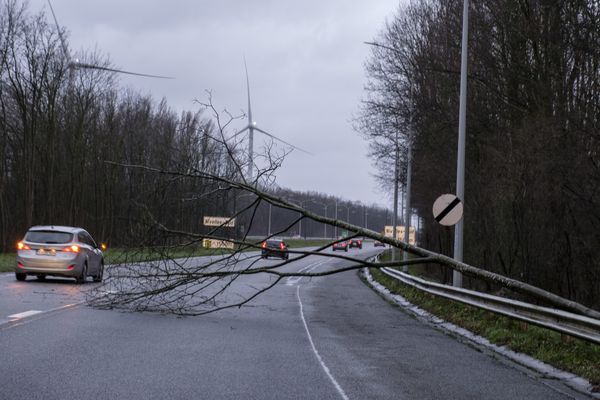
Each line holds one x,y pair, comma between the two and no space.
326,338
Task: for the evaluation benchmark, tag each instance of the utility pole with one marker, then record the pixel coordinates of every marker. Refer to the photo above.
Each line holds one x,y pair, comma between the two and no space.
460,159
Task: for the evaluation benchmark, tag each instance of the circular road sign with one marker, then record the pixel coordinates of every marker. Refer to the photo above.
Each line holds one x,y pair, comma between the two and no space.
447,209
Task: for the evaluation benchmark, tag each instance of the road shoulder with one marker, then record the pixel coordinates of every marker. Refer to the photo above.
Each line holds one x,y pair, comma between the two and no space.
541,370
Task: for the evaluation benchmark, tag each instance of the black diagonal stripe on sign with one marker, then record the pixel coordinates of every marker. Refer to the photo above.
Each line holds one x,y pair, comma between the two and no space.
449,208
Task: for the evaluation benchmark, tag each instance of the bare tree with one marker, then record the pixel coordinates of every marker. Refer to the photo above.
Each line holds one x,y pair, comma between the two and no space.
198,285
532,147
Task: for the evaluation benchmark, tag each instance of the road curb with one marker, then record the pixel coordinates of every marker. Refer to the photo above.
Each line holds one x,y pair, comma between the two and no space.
575,382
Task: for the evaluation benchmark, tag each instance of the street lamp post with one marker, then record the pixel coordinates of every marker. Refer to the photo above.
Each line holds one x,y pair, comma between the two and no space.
347,214
325,207
325,225
301,204
460,159
408,215
336,217
270,207
395,216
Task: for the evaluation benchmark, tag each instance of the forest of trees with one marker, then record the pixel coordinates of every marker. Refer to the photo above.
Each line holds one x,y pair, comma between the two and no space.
532,198
65,130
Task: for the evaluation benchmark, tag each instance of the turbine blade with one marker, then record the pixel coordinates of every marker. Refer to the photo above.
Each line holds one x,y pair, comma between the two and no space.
240,132
120,71
282,141
63,43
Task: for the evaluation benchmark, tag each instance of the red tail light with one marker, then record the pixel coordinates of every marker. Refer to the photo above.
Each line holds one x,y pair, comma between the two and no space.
264,245
72,266
281,246
22,246
20,265
72,249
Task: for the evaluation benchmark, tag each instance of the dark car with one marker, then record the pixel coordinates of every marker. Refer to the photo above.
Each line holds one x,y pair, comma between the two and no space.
355,243
275,248
379,244
343,245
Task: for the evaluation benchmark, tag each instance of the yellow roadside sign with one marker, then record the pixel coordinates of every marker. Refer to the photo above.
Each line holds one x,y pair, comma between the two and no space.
412,233
217,244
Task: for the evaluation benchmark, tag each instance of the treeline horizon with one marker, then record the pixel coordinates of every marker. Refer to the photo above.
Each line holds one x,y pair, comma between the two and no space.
68,134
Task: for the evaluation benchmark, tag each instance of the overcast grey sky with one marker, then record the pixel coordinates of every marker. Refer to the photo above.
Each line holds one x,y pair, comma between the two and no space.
305,62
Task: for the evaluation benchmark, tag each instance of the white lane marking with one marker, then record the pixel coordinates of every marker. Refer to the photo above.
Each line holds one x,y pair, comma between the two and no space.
13,322
24,314
292,280
314,349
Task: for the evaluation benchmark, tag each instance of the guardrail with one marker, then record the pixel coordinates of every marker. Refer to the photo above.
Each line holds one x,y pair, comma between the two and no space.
561,321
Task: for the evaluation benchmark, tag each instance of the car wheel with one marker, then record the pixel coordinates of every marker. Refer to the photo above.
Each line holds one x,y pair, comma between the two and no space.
98,278
81,278
20,277
41,277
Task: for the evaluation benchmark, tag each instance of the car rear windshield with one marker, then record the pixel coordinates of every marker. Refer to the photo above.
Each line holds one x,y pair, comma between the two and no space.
273,243
50,237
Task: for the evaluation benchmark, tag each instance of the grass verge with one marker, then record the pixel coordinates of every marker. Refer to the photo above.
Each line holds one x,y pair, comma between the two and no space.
563,352
7,262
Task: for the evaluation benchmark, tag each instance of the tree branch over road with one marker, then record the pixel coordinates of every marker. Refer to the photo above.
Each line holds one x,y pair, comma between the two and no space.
198,285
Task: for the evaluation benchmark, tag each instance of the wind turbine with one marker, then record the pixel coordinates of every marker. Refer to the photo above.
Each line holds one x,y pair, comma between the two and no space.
73,64
251,127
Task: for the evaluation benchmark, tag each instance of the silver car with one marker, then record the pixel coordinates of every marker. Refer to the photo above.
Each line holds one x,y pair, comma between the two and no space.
59,251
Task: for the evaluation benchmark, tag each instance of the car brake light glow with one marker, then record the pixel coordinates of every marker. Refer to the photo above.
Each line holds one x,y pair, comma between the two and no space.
72,266
22,246
264,245
72,249
281,246
20,265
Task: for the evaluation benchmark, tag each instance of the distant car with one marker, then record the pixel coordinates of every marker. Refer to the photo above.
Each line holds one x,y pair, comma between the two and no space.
275,248
355,243
343,245
59,251
378,244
